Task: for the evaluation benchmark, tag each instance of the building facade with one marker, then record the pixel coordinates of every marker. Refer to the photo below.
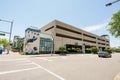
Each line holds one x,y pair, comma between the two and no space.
72,37
36,42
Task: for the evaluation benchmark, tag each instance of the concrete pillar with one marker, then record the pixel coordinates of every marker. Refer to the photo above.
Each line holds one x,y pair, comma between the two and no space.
83,49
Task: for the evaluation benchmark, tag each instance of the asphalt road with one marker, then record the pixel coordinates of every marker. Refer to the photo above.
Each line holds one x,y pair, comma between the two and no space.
70,67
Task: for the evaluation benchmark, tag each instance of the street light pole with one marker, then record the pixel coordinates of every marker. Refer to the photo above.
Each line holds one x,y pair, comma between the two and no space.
109,4
52,49
10,33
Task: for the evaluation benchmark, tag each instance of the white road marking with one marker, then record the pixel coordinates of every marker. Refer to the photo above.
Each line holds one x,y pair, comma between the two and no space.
59,77
18,64
24,64
14,71
44,59
14,59
38,67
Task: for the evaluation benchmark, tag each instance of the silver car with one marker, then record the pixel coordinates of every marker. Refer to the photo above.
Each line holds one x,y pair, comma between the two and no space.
104,54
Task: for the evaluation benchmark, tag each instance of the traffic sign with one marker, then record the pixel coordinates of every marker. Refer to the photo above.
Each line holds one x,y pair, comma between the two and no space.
2,34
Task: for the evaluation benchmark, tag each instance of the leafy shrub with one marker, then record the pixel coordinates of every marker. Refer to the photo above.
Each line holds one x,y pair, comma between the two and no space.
88,50
27,53
62,48
94,50
78,50
22,53
35,53
108,50
117,50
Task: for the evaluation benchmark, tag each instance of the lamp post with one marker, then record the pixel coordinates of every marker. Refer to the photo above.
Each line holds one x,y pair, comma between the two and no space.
109,4
10,33
52,46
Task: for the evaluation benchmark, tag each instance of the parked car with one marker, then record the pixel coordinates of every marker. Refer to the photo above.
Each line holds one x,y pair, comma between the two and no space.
104,54
15,50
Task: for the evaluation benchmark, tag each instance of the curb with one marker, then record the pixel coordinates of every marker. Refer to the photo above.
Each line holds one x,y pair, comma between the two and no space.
117,77
43,55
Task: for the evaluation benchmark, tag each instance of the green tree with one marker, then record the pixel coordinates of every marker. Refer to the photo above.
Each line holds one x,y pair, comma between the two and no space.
62,48
20,45
114,28
94,50
4,42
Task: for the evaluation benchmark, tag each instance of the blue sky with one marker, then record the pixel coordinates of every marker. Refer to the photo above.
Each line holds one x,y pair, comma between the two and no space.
91,15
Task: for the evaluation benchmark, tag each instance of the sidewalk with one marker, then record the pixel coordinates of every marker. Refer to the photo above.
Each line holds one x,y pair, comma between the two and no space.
17,54
10,53
51,55
43,55
39,55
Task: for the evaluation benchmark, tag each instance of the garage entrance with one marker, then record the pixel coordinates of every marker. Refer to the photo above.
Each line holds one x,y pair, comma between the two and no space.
73,48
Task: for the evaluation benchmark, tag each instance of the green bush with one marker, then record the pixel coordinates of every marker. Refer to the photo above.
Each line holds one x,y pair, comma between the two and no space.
94,50
108,50
78,50
61,52
22,53
57,52
62,48
35,53
88,50
117,50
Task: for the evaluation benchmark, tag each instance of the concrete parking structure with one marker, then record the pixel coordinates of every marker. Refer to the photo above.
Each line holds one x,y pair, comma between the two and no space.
55,34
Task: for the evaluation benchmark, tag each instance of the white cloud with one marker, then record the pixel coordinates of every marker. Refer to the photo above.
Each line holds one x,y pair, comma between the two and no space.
98,26
95,27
